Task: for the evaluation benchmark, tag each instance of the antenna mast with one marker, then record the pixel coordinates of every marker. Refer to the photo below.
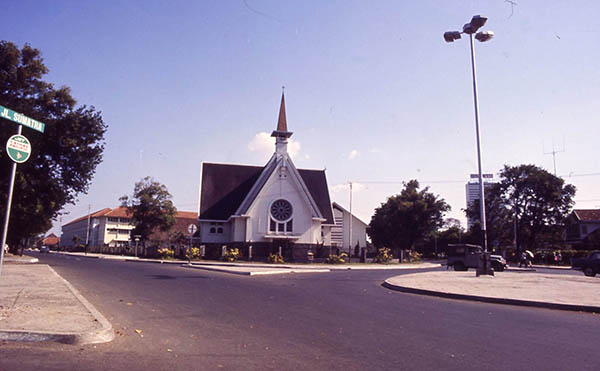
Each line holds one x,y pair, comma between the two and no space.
554,152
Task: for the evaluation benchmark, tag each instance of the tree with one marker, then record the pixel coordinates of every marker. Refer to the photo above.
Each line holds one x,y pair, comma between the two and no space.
407,218
63,159
539,200
150,208
499,221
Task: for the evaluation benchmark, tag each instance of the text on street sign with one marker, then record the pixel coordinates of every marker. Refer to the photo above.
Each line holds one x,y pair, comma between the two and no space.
21,119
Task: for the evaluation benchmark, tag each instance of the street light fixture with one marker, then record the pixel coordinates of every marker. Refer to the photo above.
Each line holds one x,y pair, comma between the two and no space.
471,29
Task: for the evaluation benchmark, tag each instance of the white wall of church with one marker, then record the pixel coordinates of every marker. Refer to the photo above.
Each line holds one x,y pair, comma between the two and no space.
238,232
281,186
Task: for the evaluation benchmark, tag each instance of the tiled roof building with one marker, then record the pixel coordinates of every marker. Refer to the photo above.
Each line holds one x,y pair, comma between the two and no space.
581,224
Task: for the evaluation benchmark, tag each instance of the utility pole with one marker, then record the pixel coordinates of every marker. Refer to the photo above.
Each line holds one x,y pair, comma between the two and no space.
87,232
350,233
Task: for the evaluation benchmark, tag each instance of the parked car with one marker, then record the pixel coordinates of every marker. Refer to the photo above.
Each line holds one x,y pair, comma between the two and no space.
45,249
464,256
590,265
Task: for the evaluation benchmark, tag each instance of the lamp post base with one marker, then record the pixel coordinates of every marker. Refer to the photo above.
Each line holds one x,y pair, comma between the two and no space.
485,267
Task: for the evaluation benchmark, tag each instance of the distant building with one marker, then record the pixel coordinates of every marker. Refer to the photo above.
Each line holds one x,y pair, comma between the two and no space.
473,193
580,224
112,228
340,233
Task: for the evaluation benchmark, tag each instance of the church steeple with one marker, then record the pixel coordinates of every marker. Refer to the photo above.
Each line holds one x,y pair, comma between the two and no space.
282,122
281,133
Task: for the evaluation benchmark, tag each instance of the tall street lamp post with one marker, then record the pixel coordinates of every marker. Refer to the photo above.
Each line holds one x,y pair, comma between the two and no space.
471,29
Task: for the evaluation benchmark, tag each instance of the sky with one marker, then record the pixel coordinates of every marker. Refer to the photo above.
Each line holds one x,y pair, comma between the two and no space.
373,93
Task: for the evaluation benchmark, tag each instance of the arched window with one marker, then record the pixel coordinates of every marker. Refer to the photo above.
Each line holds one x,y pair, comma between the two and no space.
212,230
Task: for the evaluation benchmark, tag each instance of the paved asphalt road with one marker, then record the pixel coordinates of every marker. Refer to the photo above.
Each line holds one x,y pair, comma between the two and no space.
199,320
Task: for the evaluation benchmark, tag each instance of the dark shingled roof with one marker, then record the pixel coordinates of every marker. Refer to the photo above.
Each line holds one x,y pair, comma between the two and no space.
225,186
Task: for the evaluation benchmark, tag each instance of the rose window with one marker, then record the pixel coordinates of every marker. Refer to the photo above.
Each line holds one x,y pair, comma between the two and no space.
281,210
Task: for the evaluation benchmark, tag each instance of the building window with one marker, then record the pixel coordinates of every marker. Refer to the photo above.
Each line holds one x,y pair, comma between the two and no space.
113,220
281,210
220,230
213,230
280,220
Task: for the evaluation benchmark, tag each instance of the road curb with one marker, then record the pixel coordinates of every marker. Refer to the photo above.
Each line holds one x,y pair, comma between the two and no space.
255,273
102,335
487,299
22,261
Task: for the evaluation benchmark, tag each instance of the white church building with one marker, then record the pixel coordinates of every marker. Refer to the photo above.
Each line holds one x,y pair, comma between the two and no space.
266,209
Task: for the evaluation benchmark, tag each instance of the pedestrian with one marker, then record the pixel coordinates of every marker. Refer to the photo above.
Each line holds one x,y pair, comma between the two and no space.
523,260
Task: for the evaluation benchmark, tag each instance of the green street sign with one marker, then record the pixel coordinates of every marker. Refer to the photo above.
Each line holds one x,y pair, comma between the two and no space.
21,119
18,148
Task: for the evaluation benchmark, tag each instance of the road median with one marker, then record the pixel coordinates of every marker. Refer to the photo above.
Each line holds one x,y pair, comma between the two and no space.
576,293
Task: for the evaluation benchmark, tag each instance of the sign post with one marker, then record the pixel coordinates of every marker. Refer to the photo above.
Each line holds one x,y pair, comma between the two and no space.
191,229
19,150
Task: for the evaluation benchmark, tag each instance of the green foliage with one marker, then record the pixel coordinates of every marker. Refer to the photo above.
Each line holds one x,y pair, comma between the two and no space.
407,218
195,253
150,208
337,259
413,257
275,259
384,255
166,253
540,200
63,159
232,254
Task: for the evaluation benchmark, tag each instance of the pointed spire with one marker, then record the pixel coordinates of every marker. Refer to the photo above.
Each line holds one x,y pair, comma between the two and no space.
282,122
282,130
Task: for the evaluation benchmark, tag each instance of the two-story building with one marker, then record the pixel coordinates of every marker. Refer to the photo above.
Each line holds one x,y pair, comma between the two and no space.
106,227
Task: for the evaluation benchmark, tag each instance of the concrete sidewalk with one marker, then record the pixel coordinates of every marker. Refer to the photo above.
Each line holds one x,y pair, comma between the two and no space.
36,304
564,292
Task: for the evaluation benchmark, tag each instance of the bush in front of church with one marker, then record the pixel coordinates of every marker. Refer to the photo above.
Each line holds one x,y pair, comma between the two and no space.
337,259
384,255
275,259
195,252
232,254
413,257
166,253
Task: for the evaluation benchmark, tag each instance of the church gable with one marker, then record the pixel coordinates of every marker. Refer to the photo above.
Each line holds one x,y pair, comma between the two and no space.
248,191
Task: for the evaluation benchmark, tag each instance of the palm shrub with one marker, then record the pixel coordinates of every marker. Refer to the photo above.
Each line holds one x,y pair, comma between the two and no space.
413,256
232,254
384,255
275,259
337,259
195,253
166,253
